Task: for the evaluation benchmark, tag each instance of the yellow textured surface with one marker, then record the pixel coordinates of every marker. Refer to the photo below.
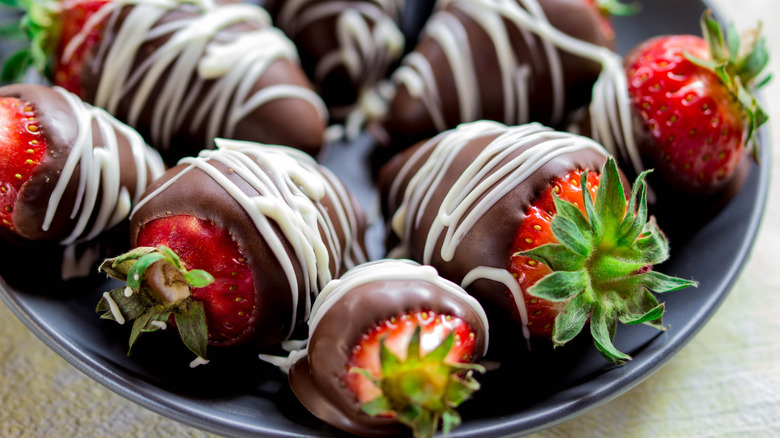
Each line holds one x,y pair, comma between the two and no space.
725,383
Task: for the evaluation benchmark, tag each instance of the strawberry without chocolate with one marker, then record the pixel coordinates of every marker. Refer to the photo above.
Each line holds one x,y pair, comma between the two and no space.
181,72
688,112
69,172
487,205
391,345
234,245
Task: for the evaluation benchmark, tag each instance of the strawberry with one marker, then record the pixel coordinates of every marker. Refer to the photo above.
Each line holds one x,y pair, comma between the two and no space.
500,210
156,67
271,243
512,62
407,362
22,146
587,257
692,97
536,230
48,134
75,16
196,288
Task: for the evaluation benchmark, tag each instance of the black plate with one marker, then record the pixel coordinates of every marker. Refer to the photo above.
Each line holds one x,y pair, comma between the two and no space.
240,396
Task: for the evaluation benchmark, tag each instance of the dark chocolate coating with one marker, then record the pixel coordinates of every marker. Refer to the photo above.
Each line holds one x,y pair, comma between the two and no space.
319,37
490,241
196,194
408,120
286,121
59,126
316,379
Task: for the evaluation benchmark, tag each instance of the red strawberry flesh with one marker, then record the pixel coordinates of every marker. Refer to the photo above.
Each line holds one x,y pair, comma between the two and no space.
535,231
22,146
229,301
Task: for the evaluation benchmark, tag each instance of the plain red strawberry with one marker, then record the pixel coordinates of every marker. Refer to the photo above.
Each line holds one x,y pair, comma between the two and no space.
535,231
693,97
74,16
229,300
22,146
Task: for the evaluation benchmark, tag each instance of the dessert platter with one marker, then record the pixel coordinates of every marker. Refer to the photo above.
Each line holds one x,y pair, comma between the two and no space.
320,232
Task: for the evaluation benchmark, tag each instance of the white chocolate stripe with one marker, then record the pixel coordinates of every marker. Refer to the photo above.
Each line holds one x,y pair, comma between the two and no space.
381,270
290,186
485,181
99,169
190,55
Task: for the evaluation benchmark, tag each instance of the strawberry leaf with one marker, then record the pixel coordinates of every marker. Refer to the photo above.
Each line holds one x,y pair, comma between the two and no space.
659,282
441,351
602,330
560,285
450,419
617,9
198,278
636,216
570,212
191,321
610,201
570,235
571,321
651,315
556,256
129,307
377,406
135,274
388,359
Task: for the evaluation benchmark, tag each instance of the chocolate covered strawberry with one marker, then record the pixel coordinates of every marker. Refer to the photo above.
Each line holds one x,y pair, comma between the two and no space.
181,72
391,346
346,46
509,61
69,172
688,112
500,211
232,246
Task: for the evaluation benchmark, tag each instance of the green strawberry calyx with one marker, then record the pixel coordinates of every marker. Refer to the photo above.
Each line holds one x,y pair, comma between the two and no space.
616,8
157,286
739,62
602,267
422,391
38,26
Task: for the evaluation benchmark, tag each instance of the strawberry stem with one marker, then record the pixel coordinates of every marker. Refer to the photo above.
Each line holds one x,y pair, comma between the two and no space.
740,64
421,391
157,286
601,267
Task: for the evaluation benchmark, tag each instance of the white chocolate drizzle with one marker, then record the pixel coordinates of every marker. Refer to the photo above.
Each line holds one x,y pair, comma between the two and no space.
290,186
416,72
99,169
367,35
490,176
200,49
382,270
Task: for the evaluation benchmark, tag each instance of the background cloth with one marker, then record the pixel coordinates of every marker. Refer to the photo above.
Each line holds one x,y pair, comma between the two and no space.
724,383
